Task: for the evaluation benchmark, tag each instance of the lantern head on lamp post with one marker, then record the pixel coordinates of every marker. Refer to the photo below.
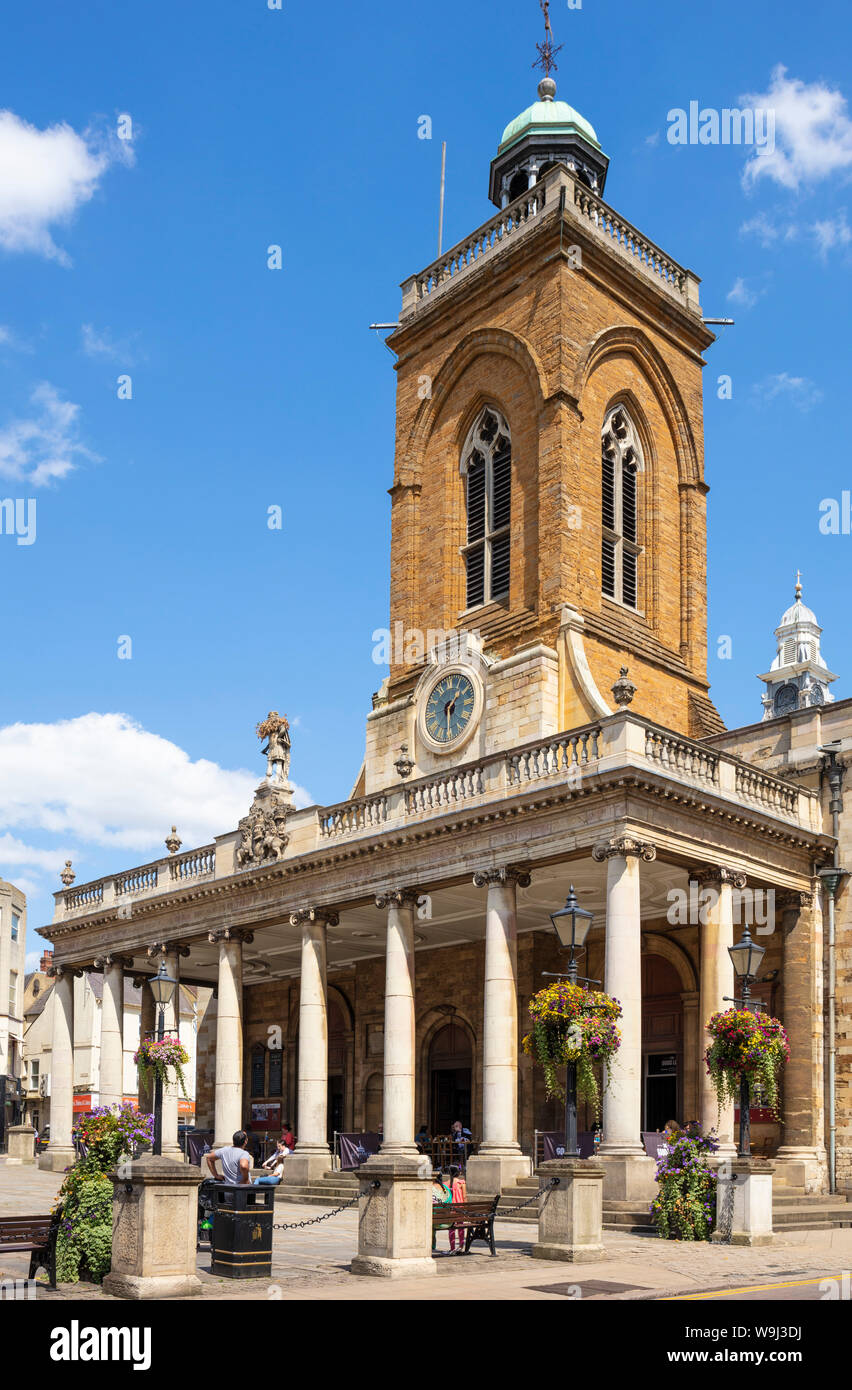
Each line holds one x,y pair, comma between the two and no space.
571,924
162,988
746,957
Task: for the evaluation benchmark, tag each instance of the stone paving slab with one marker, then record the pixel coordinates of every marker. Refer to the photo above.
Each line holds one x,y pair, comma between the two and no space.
313,1263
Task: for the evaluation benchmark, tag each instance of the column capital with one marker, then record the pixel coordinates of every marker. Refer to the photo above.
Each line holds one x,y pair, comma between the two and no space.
620,846
719,873
399,897
506,873
329,916
229,934
102,962
164,948
793,900
60,972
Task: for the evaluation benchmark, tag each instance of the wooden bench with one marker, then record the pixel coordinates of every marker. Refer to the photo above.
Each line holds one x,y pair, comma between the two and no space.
36,1234
475,1218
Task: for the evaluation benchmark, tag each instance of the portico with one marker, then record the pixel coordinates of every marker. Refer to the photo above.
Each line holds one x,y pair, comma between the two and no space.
440,911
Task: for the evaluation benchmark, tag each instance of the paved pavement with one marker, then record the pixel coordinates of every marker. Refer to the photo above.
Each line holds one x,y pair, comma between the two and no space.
313,1263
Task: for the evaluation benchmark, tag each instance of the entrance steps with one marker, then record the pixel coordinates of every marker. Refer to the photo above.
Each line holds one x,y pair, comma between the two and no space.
790,1211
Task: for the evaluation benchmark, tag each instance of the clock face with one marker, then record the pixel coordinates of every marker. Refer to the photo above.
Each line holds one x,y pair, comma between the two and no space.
449,708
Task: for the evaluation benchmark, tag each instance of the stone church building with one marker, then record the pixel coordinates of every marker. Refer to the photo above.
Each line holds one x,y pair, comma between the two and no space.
546,722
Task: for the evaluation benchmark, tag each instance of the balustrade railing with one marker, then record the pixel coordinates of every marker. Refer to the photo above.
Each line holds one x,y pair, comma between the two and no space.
768,791
192,865
691,760
448,790
136,880
369,812
559,756
87,895
640,250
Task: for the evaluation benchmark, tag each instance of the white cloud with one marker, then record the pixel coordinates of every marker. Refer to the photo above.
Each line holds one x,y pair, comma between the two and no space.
798,390
830,233
653,139
100,343
813,132
741,293
45,176
769,233
43,447
104,781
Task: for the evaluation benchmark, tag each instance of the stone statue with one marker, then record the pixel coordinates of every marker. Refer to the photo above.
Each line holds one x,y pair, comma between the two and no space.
275,729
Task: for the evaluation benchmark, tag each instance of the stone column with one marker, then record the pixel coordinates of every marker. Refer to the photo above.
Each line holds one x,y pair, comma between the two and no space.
171,1092
147,1027
395,1213
716,985
628,1172
312,1157
229,1035
60,1151
398,1095
499,1160
801,1162
111,1089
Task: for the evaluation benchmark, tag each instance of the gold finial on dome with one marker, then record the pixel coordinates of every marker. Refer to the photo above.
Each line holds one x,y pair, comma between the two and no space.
798,585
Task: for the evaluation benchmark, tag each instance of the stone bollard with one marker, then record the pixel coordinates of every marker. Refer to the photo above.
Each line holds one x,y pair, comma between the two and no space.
395,1218
570,1214
744,1198
154,1229
21,1144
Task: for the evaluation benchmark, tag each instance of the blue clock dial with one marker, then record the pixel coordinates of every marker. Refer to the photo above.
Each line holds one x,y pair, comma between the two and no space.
449,708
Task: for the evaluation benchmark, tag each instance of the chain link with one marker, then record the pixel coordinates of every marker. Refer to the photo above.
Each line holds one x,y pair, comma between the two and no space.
528,1203
313,1220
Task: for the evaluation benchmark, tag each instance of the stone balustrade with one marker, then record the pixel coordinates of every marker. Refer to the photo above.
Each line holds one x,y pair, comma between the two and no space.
581,206
622,740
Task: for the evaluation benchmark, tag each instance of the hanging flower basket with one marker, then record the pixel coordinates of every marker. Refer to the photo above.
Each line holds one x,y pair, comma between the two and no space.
161,1057
746,1044
573,1024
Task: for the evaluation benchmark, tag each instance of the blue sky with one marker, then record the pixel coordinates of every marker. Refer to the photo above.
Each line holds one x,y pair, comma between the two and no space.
254,388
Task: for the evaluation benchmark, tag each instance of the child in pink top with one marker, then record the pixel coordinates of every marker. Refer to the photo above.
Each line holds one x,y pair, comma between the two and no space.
459,1191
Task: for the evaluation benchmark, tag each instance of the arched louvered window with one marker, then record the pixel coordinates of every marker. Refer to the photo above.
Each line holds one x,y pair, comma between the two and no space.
621,461
487,468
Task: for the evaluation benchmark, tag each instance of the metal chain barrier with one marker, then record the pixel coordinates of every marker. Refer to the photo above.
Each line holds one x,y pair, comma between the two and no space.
552,1182
314,1220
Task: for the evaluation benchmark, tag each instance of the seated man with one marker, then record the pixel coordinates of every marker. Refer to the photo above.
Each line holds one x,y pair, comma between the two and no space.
235,1161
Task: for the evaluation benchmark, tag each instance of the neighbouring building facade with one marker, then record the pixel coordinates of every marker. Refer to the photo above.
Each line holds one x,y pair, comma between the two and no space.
546,722
13,935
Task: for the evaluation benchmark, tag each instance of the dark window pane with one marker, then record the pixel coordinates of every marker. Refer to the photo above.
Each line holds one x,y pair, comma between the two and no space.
500,567
276,1072
476,576
607,493
258,1073
502,490
608,567
476,502
628,577
628,501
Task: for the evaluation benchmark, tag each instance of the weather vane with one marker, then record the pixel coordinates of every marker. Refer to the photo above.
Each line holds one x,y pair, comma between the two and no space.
547,51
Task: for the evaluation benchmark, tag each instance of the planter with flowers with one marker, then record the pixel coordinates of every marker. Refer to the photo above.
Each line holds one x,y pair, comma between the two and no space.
158,1058
573,1024
746,1044
685,1206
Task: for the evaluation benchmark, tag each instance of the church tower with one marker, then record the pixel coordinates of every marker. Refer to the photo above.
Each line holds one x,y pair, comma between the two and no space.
798,677
548,522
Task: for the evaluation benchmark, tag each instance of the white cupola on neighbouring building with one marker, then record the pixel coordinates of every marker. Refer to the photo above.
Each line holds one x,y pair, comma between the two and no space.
798,677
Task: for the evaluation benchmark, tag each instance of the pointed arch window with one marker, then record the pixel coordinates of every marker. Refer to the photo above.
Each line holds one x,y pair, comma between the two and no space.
621,462
487,468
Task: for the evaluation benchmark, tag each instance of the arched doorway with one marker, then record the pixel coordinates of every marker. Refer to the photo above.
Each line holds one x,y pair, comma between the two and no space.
662,1044
336,1067
450,1072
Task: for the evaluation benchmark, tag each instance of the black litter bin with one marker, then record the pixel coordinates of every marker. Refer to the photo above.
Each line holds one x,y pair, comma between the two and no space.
242,1231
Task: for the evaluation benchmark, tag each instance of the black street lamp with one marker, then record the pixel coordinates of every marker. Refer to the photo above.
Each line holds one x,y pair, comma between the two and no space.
162,988
746,957
571,924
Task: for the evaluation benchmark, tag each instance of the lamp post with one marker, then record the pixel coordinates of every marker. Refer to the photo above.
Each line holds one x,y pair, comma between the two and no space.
571,924
162,988
746,957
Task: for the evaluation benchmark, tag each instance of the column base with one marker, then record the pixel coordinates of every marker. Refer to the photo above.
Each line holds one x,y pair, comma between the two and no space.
395,1217
152,1286
57,1160
488,1172
306,1168
750,1213
628,1177
571,1213
801,1168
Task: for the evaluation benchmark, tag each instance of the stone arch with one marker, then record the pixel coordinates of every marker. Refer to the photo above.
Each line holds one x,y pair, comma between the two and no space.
655,944
427,1029
633,342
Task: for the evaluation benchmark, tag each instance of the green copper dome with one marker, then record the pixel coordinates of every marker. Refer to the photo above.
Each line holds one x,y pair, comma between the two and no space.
546,118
